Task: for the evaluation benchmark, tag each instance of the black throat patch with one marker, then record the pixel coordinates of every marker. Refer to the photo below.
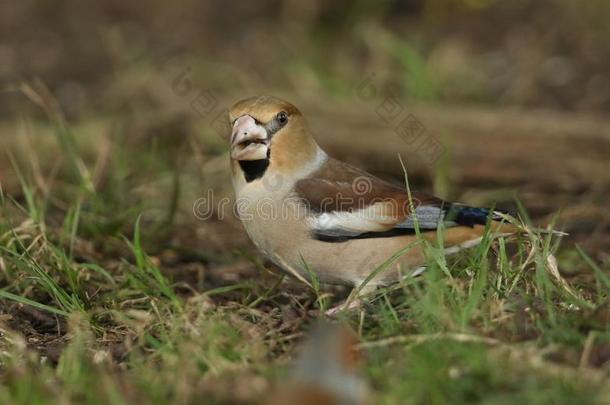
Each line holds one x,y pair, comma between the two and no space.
254,169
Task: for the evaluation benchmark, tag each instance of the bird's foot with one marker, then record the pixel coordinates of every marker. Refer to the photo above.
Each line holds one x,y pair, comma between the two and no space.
352,302
345,306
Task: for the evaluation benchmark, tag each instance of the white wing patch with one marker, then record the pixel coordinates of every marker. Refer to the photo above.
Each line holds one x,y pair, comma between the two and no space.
353,223
374,218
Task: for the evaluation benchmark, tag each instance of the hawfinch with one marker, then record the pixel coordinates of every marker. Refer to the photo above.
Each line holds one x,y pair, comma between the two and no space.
326,371
311,214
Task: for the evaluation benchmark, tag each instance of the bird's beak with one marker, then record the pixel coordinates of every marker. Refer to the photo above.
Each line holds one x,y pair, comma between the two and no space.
249,140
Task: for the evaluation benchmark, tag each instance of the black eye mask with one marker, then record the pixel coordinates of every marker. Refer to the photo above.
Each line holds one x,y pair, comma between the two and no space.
275,125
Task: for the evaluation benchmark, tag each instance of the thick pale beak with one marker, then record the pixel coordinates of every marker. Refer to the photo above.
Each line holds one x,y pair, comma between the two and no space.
249,141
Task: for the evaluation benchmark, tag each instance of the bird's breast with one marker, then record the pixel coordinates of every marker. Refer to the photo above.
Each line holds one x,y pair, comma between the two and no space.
273,217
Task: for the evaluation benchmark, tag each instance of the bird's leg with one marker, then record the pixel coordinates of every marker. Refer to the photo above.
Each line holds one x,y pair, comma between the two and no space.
352,303
344,306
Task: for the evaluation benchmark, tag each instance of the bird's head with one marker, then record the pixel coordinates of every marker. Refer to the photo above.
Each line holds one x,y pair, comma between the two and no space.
270,131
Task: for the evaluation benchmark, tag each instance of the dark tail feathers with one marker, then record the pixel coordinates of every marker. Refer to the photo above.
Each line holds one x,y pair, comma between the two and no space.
470,216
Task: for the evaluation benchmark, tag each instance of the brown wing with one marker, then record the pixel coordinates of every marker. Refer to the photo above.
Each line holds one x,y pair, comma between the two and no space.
351,201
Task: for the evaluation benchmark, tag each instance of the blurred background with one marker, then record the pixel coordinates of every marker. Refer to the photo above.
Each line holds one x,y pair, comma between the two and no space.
516,95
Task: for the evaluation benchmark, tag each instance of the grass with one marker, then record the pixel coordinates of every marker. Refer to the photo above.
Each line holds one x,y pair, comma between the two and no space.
106,303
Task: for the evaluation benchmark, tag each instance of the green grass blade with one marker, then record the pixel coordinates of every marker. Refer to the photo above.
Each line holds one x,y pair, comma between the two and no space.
599,274
32,303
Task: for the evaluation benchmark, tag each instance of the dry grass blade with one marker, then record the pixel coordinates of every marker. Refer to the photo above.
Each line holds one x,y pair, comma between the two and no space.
418,339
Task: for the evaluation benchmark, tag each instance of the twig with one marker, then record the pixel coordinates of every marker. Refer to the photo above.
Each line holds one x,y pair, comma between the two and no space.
586,351
417,339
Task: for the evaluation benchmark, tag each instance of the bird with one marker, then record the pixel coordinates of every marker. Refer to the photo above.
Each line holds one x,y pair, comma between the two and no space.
327,370
318,217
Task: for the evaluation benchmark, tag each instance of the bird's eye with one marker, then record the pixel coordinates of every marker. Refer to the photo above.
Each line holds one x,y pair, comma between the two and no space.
282,118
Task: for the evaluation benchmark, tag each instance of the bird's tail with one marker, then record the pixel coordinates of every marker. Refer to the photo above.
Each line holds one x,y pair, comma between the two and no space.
501,221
